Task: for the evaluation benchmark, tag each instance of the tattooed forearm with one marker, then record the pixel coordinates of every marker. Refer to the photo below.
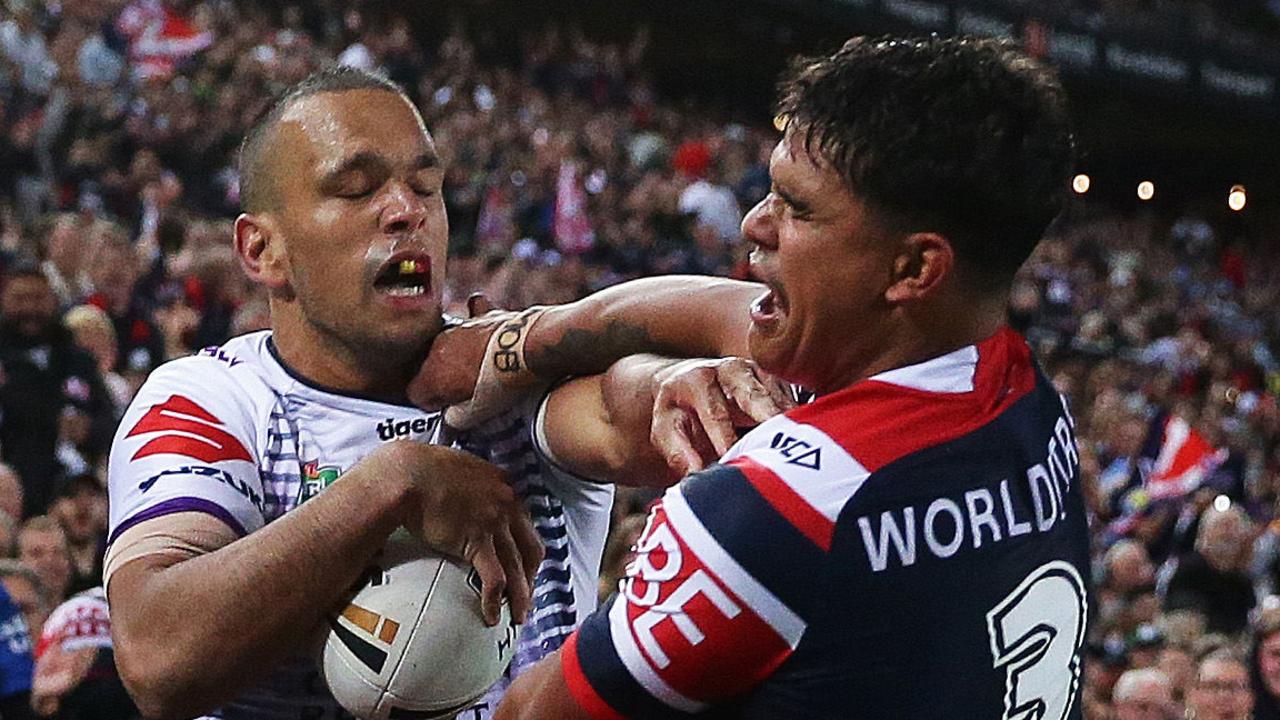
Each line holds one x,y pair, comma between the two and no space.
588,351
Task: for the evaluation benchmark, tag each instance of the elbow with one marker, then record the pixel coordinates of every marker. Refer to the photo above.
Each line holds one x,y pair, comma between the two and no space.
155,683
636,466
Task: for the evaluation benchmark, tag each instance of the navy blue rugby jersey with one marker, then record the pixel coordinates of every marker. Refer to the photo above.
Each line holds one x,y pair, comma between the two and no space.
913,546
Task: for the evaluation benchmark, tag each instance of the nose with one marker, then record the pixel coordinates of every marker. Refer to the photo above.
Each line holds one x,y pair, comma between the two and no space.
404,210
760,227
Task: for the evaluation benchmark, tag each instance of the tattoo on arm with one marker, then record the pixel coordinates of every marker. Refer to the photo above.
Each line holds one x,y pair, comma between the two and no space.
588,352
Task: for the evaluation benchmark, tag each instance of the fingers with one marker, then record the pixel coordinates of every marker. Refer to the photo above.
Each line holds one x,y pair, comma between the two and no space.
707,400
669,434
529,545
478,304
758,398
780,391
484,558
519,590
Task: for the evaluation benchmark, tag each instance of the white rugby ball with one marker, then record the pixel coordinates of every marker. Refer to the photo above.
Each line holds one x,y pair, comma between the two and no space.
412,643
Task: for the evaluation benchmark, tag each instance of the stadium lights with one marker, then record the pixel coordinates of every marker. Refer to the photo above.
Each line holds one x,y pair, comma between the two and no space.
1146,190
1237,199
1080,183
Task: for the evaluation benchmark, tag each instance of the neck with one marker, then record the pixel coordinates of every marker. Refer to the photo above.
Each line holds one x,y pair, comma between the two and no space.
331,362
910,337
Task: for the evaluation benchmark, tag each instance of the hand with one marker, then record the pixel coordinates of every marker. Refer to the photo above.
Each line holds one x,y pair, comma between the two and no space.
700,404
461,506
478,367
452,367
57,673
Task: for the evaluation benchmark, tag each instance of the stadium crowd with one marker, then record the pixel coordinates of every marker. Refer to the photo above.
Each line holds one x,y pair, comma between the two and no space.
119,124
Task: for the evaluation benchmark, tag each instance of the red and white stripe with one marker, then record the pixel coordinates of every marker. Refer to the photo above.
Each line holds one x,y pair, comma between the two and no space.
809,498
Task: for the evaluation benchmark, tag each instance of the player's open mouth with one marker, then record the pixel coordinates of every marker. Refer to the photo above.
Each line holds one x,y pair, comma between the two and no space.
404,276
769,308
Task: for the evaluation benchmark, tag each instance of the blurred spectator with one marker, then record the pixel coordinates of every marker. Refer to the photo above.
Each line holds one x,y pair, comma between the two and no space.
1127,574
93,332
65,252
1221,690
1211,579
75,673
81,510
1264,660
22,43
711,204
52,394
10,493
1142,694
1180,668
15,658
113,271
42,546
26,591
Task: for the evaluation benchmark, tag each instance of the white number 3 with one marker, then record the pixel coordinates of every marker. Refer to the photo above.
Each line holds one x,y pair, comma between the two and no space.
1036,634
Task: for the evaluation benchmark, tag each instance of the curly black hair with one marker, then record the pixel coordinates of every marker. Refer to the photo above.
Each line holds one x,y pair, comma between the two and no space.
965,137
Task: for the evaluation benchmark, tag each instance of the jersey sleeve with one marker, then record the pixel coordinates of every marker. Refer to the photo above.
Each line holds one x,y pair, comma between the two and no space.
187,443
701,617
16,663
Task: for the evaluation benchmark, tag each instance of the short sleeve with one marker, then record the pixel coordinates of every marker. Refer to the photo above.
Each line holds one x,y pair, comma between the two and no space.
700,619
187,443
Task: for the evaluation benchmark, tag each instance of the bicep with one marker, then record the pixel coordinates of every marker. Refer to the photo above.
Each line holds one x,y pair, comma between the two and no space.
143,551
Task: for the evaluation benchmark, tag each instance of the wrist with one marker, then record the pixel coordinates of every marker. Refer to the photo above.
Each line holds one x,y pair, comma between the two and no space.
504,377
391,479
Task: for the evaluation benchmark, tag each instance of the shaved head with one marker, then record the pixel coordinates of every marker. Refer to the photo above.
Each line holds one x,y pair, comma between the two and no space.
257,184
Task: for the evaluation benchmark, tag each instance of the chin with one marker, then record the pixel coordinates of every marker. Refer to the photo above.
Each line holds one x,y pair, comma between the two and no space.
773,356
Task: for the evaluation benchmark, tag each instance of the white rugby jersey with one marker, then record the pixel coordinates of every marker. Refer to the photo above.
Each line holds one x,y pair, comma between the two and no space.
233,433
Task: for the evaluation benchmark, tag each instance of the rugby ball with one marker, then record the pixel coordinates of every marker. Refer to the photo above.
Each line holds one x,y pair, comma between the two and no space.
412,643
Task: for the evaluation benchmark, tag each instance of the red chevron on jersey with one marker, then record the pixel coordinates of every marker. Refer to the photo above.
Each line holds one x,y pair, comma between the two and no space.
692,626
189,430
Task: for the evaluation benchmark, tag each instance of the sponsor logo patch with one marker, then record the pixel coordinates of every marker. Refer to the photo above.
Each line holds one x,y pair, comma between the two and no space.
187,429
222,476
315,478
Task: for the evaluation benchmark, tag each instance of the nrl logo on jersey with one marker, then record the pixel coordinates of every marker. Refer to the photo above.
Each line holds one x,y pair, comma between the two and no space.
315,478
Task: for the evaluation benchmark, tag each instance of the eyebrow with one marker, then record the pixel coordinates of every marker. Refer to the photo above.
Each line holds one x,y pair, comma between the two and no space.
367,160
789,198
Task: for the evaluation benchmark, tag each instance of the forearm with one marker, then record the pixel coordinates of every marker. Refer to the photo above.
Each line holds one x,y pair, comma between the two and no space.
679,316
628,391
598,427
540,694
193,634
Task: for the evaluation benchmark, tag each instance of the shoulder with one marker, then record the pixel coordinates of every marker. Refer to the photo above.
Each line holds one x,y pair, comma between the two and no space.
226,376
207,407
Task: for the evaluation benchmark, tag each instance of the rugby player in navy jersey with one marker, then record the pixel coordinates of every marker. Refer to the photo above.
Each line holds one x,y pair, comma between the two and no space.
913,543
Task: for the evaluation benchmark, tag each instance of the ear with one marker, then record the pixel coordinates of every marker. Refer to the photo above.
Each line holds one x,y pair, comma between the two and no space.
262,254
923,265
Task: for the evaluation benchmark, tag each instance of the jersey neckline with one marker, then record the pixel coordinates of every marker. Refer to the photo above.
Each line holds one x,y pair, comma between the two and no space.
318,387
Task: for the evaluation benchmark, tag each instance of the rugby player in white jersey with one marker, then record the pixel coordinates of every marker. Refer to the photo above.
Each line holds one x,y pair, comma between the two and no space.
251,484
224,555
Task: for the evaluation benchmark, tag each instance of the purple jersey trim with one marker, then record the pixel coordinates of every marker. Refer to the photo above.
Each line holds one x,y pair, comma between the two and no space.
177,505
